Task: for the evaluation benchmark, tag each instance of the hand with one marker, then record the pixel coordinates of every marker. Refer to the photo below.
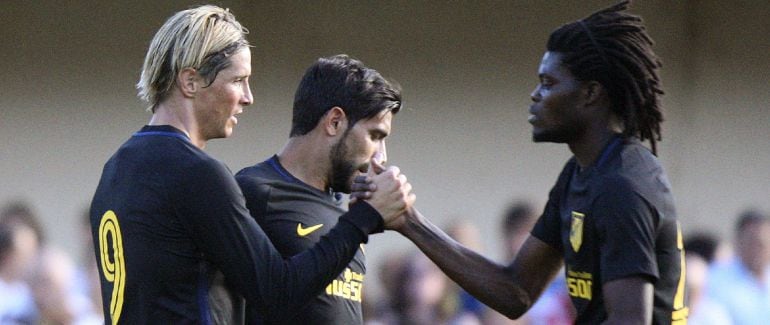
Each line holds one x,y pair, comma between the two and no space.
363,185
400,223
386,189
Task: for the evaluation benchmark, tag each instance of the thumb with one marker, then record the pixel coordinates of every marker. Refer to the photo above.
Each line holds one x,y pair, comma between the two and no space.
375,168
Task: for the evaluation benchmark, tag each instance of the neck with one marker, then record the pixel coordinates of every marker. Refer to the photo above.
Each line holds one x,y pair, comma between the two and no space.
307,160
178,114
588,149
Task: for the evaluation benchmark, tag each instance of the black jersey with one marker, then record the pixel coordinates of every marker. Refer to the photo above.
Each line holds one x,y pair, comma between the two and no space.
167,219
295,215
613,220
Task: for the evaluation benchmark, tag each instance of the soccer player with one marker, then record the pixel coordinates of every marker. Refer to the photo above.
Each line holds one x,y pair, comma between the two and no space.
173,238
342,114
610,218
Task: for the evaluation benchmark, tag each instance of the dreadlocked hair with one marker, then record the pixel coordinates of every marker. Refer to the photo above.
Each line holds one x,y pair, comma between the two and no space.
614,49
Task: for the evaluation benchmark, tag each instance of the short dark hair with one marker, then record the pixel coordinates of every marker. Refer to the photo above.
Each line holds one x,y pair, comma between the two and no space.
614,49
20,213
345,82
518,215
704,244
749,218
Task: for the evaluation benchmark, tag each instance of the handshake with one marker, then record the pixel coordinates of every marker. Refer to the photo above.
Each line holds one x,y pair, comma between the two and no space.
387,190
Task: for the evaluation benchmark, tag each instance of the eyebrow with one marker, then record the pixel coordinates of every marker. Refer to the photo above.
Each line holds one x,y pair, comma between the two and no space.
379,132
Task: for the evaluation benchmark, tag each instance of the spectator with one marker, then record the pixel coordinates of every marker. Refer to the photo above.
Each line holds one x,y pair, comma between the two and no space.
742,283
20,238
553,307
701,251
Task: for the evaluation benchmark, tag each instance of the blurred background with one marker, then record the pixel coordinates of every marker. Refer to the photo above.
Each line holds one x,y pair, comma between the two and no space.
467,68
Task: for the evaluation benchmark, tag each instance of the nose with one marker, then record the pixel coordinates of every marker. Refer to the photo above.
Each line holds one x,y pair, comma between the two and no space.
535,95
247,99
381,155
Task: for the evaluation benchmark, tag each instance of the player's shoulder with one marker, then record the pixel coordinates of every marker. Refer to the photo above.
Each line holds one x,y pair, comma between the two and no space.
258,175
259,170
256,180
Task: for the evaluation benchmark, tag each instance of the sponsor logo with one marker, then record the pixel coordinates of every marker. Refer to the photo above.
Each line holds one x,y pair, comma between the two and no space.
580,284
576,230
349,287
302,232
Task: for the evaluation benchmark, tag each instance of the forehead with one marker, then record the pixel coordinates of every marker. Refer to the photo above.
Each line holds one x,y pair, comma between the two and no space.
382,121
240,62
551,65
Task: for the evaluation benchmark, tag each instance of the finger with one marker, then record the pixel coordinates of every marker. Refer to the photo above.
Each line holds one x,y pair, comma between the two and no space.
375,168
362,195
363,187
393,170
411,199
407,187
362,179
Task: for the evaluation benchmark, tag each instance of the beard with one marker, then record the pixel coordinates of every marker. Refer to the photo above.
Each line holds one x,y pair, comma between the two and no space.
343,168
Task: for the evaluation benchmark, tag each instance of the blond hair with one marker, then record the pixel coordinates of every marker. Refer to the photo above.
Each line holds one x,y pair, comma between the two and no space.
202,38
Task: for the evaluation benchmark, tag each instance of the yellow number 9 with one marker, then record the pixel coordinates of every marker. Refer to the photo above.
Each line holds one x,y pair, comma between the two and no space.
113,267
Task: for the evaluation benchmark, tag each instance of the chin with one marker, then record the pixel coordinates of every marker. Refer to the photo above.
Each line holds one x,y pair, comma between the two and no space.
555,136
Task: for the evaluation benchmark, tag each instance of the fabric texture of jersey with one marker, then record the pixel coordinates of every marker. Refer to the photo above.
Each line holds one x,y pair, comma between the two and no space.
176,245
295,215
614,220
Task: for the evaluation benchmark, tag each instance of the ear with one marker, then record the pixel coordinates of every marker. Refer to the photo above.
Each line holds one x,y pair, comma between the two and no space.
187,81
593,92
335,121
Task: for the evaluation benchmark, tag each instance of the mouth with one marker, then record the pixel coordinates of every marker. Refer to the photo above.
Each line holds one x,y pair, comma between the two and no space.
234,117
532,119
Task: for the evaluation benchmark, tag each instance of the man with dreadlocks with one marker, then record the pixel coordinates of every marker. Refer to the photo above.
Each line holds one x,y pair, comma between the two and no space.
610,218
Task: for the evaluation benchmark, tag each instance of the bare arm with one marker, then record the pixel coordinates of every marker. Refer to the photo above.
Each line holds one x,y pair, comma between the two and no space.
628,301
510,290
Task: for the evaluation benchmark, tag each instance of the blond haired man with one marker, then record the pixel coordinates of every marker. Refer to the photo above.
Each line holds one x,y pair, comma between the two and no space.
168,220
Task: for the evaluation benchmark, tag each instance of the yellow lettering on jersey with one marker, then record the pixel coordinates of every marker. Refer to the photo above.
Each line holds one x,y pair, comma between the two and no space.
579,284
350,287
113,265
576,230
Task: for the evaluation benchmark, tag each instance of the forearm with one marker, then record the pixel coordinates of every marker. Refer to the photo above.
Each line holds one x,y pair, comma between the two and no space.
493,284
306,274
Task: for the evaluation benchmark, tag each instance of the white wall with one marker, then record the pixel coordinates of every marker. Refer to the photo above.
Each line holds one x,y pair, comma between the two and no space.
68,101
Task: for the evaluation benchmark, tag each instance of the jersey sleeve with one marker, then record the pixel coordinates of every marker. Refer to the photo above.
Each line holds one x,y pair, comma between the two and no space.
230,238
626,227
548,226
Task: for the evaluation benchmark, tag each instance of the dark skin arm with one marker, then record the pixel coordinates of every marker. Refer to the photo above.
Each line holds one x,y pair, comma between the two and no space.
628,301
510,290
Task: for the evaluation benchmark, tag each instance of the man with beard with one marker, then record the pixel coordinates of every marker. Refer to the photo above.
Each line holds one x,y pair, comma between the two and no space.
610,219
342,114
169,223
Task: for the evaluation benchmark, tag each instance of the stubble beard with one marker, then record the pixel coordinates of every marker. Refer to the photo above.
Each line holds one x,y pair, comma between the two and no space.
342,169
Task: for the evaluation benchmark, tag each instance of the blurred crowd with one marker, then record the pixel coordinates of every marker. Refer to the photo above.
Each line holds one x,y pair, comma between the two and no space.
40,283
727,282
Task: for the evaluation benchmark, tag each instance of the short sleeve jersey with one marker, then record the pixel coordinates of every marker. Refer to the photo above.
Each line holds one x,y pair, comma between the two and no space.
614,220
295,215
175,243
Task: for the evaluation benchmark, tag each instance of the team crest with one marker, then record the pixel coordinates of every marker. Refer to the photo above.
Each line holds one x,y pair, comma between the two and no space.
576,231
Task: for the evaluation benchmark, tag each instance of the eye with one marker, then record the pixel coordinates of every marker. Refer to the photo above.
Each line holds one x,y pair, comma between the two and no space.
376,136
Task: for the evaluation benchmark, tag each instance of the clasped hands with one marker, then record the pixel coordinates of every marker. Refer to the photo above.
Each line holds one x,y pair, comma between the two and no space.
387,190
